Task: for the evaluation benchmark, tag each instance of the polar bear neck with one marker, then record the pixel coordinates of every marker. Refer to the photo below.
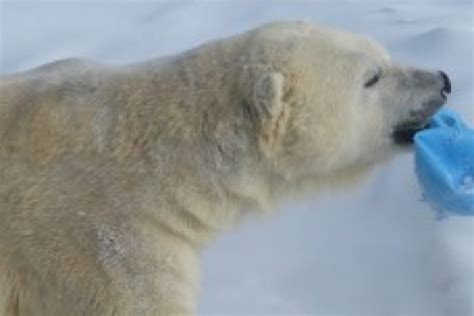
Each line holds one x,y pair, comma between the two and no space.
184,107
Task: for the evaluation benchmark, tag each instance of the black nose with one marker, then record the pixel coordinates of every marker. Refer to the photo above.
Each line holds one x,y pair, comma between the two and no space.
447,82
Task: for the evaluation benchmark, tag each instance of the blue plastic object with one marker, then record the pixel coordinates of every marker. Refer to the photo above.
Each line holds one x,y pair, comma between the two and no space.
444,162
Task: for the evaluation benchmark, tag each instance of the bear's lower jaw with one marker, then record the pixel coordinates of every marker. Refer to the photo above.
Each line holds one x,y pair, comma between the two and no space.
405,136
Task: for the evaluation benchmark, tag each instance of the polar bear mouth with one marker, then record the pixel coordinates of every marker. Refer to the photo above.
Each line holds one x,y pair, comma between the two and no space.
405,134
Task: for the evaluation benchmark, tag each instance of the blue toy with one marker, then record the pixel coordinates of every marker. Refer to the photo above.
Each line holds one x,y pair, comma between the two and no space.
444,162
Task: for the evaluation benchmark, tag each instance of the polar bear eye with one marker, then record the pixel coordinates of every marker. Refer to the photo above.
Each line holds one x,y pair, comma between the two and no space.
374,79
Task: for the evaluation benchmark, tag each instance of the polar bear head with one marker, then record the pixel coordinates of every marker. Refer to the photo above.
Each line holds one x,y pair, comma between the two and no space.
329,102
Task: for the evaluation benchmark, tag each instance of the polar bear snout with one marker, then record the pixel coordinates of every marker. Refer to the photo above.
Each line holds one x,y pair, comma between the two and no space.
438,89
427,93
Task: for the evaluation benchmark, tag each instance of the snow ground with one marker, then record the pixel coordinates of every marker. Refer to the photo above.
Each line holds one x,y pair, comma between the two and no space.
375,250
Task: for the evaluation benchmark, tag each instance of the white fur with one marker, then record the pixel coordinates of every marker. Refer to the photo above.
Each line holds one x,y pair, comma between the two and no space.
114,178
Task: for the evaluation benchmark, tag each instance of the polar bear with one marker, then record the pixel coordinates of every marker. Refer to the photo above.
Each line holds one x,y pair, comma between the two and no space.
114,178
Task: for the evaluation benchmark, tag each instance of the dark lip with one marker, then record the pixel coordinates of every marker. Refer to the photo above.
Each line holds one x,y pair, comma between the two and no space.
404,136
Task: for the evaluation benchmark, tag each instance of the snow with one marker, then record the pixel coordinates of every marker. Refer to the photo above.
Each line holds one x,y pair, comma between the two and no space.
373,250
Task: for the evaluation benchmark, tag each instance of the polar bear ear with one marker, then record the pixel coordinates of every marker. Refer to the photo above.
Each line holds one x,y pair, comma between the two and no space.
271,110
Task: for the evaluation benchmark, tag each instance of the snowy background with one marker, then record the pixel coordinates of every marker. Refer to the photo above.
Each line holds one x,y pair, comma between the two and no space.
375,250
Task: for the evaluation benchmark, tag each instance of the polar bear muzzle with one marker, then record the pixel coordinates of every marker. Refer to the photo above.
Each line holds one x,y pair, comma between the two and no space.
403,133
